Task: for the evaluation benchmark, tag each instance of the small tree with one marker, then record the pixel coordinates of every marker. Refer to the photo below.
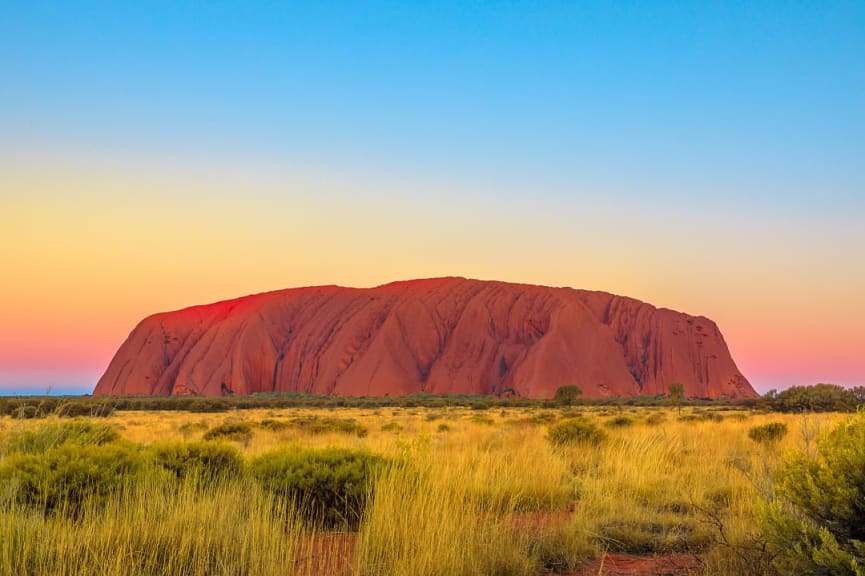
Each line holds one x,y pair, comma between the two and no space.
675,394
817,523
566,395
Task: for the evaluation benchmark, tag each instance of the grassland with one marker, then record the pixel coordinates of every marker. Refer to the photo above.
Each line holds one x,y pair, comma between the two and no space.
454,491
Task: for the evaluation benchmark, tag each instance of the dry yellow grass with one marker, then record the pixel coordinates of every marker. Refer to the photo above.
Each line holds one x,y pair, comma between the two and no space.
657,484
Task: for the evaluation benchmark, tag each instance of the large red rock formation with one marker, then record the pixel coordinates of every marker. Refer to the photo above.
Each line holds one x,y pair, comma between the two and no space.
440,336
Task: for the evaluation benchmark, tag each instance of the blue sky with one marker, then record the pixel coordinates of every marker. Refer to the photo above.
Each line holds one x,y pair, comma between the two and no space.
730,101
740,125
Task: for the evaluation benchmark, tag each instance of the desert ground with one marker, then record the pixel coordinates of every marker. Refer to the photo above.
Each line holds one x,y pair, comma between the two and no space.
396,491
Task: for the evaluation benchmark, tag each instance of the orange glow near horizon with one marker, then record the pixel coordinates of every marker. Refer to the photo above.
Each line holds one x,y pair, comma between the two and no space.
87,254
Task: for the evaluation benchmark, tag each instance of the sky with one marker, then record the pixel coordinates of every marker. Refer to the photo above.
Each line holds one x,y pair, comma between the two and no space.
703,156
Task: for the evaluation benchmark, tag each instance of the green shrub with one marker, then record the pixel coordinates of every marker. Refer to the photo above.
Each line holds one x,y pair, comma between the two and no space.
273,425
817,398
817,525
53,434
768,433
702,415
620,422
575,431
326,424
566,395
331,486
208,461
202,404
443,428
543,418
391,427
235,431
65,477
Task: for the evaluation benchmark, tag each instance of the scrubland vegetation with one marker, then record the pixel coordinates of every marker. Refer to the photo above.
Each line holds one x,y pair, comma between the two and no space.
436,490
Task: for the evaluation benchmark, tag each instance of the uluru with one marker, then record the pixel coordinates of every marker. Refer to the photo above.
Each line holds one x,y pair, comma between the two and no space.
437,336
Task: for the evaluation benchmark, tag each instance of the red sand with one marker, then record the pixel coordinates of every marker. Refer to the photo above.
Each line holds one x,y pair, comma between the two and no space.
658,565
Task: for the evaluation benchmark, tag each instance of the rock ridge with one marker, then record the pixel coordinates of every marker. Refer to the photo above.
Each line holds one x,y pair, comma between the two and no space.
442,336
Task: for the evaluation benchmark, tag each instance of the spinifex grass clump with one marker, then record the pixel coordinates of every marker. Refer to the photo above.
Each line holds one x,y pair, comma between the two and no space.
273,424
392,427
60,465
326,424
230,528
422,523
768,433
207,461
53,434
95,409
330,486
620,421
635,495
655,418
235,431
575,431
482,419
66,477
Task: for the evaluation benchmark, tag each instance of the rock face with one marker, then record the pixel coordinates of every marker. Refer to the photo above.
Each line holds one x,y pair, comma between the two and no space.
439,336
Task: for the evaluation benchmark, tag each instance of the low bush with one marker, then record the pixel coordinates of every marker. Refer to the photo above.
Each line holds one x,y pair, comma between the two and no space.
575,431
188,428
566,395
768,433
64,478
207,461
701,416
234,431
817,398
543,418
620,422
330,486
325,424
817,525
391,427
443,428
690,418
655,419
53,434
273,425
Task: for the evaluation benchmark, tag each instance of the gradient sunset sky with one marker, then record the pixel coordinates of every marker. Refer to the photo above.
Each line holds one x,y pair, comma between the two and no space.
702,156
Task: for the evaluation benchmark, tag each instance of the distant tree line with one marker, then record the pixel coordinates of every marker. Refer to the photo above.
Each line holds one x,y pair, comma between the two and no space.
816,398
39,406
